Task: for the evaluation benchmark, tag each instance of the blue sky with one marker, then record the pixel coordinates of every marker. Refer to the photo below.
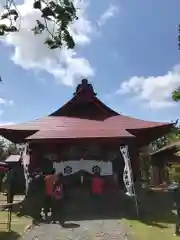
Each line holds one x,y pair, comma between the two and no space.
128,49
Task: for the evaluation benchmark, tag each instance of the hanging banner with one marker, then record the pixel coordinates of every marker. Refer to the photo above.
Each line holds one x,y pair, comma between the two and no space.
91,166
127,175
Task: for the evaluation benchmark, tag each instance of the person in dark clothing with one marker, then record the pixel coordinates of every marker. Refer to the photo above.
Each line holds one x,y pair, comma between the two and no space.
11,184
50,181
176,198
175,190
2,174
58,196
97,186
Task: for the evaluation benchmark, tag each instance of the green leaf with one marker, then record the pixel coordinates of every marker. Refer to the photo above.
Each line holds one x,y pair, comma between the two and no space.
68,39
61,13
3,27
67,3
49,41
47,12
36,30
40,25
39,28
9,13
52,5
176,95
37,4
71,9
55,46
11,29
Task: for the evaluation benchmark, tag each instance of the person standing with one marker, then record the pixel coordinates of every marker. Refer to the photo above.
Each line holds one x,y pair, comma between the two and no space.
11,185
97,190
58,199
50,181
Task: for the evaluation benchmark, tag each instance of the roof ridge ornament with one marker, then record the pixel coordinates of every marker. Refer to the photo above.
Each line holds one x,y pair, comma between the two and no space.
85,88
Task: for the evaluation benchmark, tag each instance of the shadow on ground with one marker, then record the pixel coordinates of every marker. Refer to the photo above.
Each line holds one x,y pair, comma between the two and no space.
70,225
9,235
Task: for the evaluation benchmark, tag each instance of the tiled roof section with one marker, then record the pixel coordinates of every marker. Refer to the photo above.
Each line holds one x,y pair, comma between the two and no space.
80,133
133,123
76,101
83,96
64,123
66,127
55,123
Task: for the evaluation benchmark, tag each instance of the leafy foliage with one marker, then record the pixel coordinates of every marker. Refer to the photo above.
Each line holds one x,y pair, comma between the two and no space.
57,17
159,143
176,92
176,95
6,149
172,136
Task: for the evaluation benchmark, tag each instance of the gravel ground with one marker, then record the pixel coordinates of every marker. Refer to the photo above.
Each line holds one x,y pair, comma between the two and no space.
80,230
86,220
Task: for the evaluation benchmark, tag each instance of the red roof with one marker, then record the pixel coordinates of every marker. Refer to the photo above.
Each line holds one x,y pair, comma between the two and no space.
84,116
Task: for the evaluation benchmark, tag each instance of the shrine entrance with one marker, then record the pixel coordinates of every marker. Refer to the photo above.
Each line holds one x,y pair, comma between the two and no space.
79,161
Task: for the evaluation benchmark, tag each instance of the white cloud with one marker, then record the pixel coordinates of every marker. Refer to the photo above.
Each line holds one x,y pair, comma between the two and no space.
3,104
6,102
30,53
153,91
1,112
2,101
110,12
6,123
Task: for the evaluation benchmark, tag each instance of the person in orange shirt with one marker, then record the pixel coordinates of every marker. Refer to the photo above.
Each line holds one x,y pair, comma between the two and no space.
50,181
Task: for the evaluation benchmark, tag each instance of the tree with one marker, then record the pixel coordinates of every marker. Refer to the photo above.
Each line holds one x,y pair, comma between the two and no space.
176,95
56,17
12,149
172,136
7,148
176,92
2,150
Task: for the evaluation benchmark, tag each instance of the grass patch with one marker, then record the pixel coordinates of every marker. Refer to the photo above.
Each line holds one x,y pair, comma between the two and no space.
17,227
159,231
157,220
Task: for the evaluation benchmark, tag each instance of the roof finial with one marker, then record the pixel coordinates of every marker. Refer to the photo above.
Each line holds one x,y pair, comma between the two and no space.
84,86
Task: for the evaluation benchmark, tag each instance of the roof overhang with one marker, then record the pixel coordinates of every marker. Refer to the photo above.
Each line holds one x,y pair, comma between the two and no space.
83,133
90,129
16,136
146,135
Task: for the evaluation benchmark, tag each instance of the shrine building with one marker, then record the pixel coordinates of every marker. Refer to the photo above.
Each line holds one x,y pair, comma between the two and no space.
84,135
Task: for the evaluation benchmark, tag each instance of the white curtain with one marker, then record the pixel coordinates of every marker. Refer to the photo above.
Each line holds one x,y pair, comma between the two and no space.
71,167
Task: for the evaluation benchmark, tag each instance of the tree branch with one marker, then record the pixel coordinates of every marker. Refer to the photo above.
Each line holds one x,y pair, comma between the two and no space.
60,13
